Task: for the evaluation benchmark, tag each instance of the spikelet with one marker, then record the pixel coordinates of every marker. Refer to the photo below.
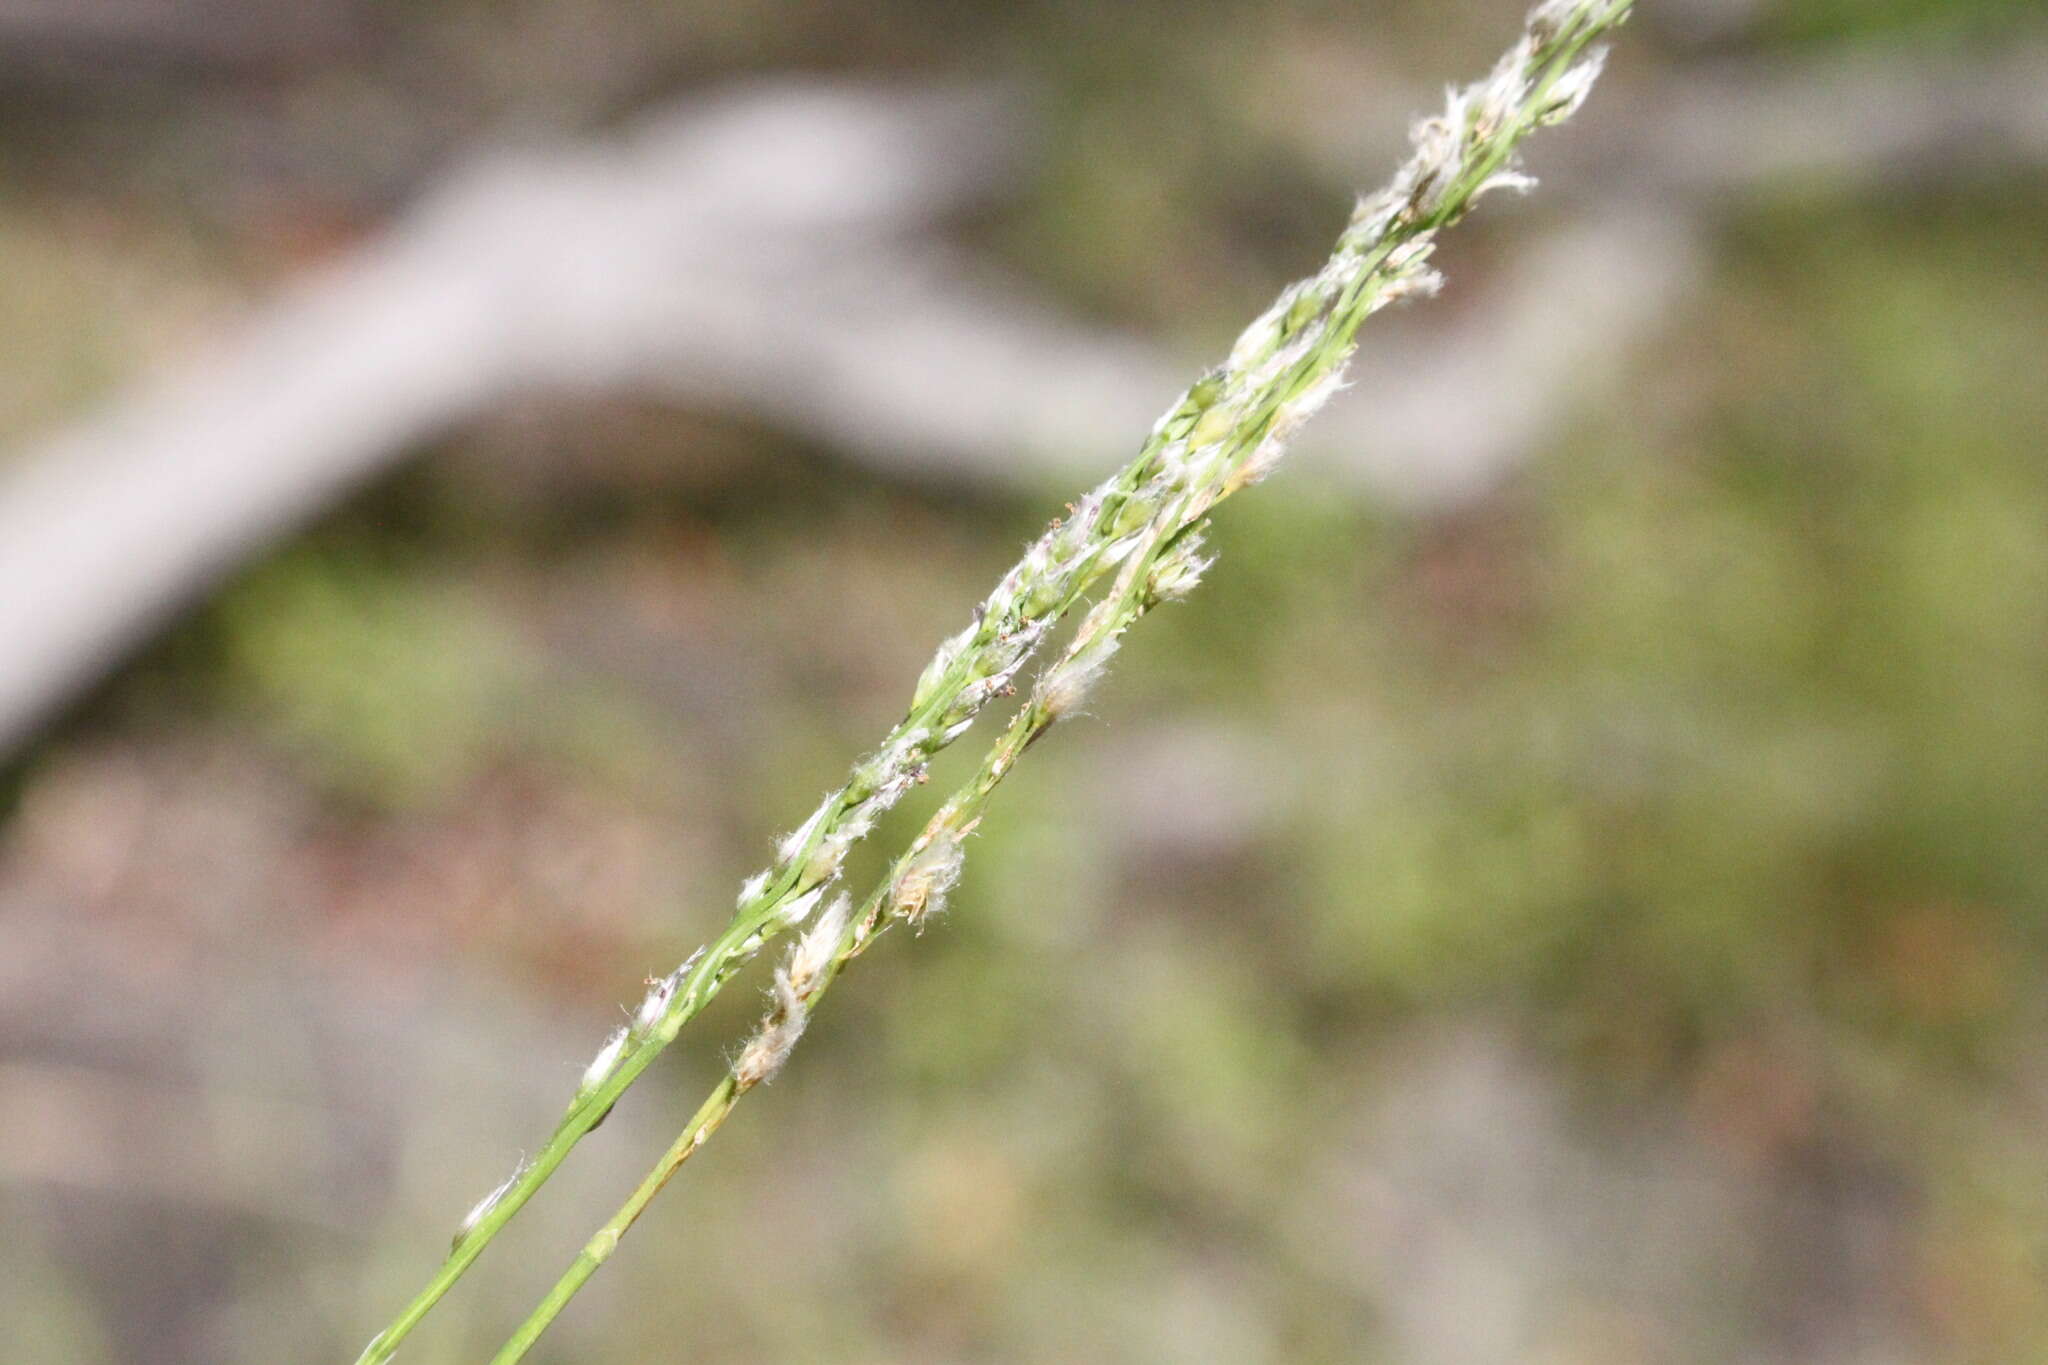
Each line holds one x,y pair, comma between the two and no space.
482,1208
603,1064
772,1042
920,889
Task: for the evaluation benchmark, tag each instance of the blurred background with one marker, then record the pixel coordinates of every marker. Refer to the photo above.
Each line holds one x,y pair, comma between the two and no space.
1571,887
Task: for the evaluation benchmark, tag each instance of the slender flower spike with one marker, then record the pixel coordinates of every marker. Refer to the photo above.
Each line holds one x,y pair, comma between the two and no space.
1121,542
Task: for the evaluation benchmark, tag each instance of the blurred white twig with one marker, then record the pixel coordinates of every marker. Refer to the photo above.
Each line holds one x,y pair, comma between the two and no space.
561,267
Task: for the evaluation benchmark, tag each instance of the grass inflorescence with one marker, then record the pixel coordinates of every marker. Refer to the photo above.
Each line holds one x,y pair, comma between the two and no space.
1133,542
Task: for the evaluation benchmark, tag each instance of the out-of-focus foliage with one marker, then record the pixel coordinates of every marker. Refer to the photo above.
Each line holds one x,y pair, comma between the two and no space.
1603,921
1824,20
